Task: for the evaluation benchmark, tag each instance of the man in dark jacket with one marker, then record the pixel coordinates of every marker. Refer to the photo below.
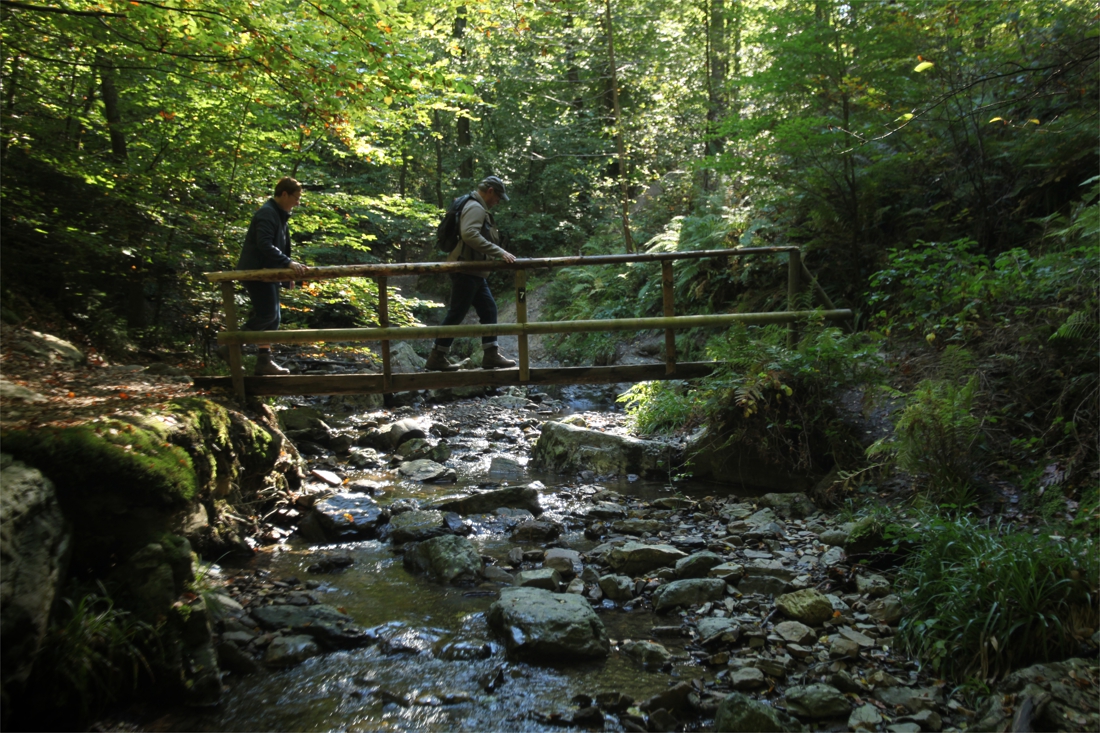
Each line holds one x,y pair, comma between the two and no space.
267,246
478,240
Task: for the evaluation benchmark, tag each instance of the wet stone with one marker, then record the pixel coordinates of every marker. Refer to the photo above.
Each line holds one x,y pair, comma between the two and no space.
322,622
545,578
448,558
287,651
536,531
648,654
617,587
342,517
796,632
875,586
887,609
730,572
416,526
606,511
688,592
747,678
697,565
808,606
427,471
864,718
636,558
739,713
763,585
517,497
539,625
639,527
817,701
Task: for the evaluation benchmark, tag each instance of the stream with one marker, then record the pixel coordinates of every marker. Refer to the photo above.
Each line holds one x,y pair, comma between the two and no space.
441,668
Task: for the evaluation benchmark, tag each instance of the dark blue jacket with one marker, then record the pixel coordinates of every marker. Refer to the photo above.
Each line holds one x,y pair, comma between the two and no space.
267,243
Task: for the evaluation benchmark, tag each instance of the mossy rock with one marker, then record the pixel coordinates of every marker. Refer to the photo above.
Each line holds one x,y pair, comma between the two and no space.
131,457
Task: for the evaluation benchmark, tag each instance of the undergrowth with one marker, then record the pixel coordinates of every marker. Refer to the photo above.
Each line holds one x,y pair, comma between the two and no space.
985,600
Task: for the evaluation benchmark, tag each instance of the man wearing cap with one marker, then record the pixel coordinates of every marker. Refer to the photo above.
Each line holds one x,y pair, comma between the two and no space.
478,240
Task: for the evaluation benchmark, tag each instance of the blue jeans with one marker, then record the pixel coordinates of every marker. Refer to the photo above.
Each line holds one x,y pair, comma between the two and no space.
466,291
265,306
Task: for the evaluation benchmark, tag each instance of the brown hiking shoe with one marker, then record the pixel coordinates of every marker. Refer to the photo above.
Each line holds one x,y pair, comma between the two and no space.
493,360
438,362
266,366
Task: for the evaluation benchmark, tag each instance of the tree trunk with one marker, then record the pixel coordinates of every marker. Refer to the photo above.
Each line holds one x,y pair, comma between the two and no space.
620,146
110,107
466,164
437,127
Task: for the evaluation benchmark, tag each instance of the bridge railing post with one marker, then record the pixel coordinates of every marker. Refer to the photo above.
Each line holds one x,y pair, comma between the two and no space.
668,298
521,317
794,283
236,361
384,322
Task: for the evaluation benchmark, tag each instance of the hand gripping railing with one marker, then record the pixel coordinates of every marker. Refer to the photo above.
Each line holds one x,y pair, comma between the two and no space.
384,333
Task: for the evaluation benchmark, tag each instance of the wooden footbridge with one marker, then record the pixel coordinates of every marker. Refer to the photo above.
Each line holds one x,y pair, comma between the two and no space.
520,375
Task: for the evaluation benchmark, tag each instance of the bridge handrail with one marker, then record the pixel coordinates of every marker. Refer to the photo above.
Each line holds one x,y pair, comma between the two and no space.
796,271
531,263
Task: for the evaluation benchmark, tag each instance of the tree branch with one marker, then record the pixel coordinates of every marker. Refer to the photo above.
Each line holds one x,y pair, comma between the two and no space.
60,11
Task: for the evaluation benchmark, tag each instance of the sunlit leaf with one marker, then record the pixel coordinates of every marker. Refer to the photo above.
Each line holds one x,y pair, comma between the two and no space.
923,66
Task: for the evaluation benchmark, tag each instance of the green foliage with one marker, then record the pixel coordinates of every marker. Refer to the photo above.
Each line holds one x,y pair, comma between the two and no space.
131,457
658,407
987,600
938,437
784,401
92,655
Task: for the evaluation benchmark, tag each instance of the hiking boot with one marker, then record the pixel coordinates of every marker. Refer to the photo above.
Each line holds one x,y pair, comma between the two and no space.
438,362
266,366
493,360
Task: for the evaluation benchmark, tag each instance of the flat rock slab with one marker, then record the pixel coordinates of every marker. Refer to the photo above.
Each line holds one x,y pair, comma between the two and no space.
636,558
344,517
539,625
323,623
688,593
427,471
516,497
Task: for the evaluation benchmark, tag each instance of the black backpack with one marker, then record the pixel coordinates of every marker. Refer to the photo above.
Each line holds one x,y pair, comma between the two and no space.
446,234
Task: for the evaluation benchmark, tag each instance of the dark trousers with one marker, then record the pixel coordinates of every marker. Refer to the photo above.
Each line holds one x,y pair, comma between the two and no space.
466,291
265,306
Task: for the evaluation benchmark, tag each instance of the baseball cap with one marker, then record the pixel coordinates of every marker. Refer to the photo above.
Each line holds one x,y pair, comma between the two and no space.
496,184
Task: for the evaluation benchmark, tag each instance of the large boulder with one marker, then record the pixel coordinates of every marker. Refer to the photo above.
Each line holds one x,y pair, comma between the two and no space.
539,625
637,558
417,526
688,593
34,543
515,497
565,448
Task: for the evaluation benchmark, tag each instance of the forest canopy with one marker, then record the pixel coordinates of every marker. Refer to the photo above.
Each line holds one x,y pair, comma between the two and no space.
139,136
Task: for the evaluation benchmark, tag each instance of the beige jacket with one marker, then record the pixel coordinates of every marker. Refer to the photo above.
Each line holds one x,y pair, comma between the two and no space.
478,235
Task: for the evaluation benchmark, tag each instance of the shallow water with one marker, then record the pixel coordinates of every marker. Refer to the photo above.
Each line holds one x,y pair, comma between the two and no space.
413,688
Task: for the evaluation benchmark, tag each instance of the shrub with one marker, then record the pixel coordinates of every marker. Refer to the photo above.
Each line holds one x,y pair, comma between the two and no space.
938,437
658,407
985,600
92,655
785,401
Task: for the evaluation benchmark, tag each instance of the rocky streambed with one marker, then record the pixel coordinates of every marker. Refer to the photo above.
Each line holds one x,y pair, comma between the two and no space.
492,564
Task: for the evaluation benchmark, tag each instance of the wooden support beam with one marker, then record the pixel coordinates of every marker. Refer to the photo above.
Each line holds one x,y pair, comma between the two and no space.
236,360
306,336
794,285
668,302
521,317
406,382
384,322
